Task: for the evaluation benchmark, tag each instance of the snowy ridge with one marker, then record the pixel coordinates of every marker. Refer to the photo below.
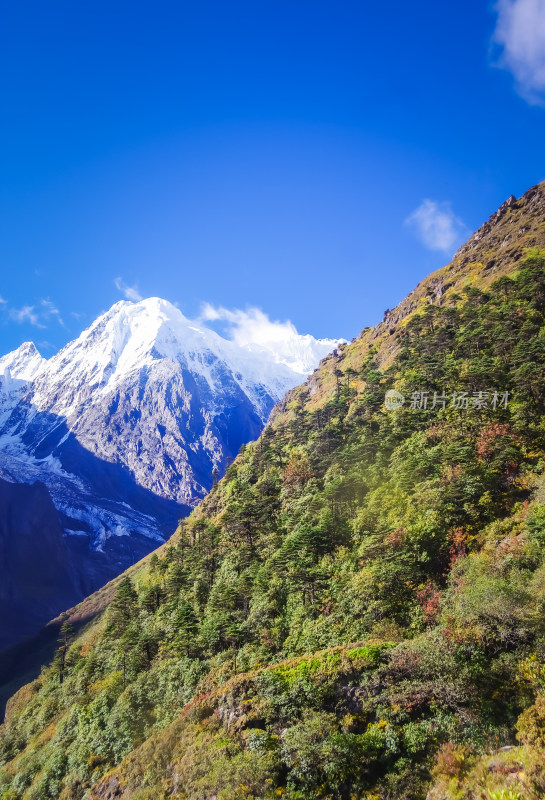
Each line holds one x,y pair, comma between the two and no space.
131,336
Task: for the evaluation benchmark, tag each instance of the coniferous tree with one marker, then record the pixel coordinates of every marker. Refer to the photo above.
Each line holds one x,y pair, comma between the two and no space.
66,634
186,626
124,606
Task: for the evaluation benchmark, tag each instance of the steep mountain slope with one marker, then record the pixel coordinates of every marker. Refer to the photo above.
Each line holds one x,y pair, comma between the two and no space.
490,253
356,609
129,423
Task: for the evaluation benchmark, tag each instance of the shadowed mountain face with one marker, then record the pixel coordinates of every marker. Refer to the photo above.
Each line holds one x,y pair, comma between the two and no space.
36,579
62,541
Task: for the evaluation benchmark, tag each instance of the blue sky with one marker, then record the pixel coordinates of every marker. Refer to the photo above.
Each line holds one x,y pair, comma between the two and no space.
314,160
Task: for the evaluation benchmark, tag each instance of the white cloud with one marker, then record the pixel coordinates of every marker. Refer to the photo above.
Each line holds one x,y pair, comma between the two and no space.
520,35
38,314
130,292
254,330
436,225
250,327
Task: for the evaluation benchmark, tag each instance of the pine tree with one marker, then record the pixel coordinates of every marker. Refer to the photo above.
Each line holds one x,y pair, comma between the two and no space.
124,606
66,634
186,626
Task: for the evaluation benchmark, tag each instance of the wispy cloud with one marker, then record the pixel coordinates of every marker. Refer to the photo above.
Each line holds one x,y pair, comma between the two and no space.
49,309
130,292
38,314
436,225
26,314
45,345
520,37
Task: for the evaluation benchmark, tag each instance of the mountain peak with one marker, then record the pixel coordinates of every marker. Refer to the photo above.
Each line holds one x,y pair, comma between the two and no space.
134,334
151,305
28,347
23,363
142,408
516,222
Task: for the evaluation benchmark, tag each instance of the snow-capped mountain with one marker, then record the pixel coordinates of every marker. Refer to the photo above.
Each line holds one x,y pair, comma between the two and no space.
128,423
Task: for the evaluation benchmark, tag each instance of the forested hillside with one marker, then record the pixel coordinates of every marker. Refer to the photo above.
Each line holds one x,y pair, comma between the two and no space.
356,610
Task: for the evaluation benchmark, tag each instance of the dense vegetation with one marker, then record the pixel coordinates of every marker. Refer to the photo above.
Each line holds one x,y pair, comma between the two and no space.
354,612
